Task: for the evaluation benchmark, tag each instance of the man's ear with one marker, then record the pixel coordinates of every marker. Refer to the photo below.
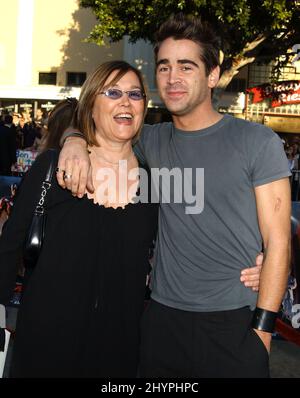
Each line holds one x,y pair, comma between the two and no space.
214,77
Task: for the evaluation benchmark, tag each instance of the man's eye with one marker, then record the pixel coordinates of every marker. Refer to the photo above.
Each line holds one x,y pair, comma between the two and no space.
163,69
185,68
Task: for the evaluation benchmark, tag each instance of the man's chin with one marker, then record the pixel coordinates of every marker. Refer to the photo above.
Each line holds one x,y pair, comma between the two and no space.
177,111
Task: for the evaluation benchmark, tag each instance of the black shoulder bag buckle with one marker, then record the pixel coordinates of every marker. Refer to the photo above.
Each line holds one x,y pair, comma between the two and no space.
36,233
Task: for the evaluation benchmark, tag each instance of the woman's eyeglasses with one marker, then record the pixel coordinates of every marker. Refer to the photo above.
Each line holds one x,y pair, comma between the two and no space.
115,93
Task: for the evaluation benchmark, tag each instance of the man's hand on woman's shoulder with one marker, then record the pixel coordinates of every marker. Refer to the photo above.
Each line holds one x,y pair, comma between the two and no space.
74,167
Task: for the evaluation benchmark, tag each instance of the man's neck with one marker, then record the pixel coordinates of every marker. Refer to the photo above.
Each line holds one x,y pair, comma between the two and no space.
197,120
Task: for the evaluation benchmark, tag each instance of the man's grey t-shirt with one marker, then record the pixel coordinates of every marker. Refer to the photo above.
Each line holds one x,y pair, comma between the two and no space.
198,257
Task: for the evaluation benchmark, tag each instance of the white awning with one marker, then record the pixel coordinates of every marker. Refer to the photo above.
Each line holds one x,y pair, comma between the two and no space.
43,92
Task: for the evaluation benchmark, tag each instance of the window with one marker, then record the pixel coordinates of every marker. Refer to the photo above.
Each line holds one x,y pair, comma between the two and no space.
236,86
47,78
259,74
75,79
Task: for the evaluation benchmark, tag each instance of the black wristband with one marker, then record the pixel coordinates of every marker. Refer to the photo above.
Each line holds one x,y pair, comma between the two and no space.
264,320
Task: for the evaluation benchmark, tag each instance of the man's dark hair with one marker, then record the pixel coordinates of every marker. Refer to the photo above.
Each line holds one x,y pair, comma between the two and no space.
180,27
8,119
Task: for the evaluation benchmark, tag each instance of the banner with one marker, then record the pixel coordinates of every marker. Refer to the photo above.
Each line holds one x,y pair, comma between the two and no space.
280,93
25,160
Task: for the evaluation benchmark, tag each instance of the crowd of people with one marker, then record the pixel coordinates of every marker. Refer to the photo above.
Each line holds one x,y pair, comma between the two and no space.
292,150
20,131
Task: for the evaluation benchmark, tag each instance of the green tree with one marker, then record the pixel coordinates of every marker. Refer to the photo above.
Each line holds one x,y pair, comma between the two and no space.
249,29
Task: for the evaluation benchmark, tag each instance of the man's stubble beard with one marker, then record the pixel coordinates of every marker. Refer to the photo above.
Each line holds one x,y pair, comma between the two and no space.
186,108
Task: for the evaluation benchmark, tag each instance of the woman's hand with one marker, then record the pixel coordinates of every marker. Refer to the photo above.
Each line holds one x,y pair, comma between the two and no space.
74,167
251,276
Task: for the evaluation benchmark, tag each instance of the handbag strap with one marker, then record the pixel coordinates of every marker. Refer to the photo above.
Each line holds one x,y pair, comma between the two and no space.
46,185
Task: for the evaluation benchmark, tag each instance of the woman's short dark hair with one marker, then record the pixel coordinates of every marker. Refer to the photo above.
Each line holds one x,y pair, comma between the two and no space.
189,27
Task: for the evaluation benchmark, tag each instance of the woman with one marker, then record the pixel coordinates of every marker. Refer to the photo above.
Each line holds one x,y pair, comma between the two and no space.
81,309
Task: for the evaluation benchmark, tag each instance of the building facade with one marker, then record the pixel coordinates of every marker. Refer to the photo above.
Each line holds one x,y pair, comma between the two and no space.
44,57
284,117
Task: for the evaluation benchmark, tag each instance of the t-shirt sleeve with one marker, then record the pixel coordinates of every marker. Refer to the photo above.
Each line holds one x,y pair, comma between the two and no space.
145,146
271,163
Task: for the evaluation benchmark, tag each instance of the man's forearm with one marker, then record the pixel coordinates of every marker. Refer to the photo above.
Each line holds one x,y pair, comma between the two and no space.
274,274
273,201
69,133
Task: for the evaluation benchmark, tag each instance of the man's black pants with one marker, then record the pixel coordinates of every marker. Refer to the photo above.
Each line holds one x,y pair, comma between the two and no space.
221,344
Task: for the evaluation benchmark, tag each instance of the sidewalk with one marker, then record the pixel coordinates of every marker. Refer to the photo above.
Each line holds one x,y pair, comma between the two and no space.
284,359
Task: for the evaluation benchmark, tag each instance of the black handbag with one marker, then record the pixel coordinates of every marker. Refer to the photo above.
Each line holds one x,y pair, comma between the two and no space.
35,236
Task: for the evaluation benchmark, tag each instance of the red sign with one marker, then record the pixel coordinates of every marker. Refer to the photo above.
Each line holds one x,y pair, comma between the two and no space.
280,93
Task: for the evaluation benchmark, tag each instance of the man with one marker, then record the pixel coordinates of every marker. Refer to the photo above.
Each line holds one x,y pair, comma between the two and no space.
200,321
8,145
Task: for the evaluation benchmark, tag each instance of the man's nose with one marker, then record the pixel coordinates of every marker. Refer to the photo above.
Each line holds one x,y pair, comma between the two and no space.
173,76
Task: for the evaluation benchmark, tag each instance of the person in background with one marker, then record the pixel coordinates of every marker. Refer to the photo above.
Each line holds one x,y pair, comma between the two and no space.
57,122
49,135
8,145
296,173
16,123
40,118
